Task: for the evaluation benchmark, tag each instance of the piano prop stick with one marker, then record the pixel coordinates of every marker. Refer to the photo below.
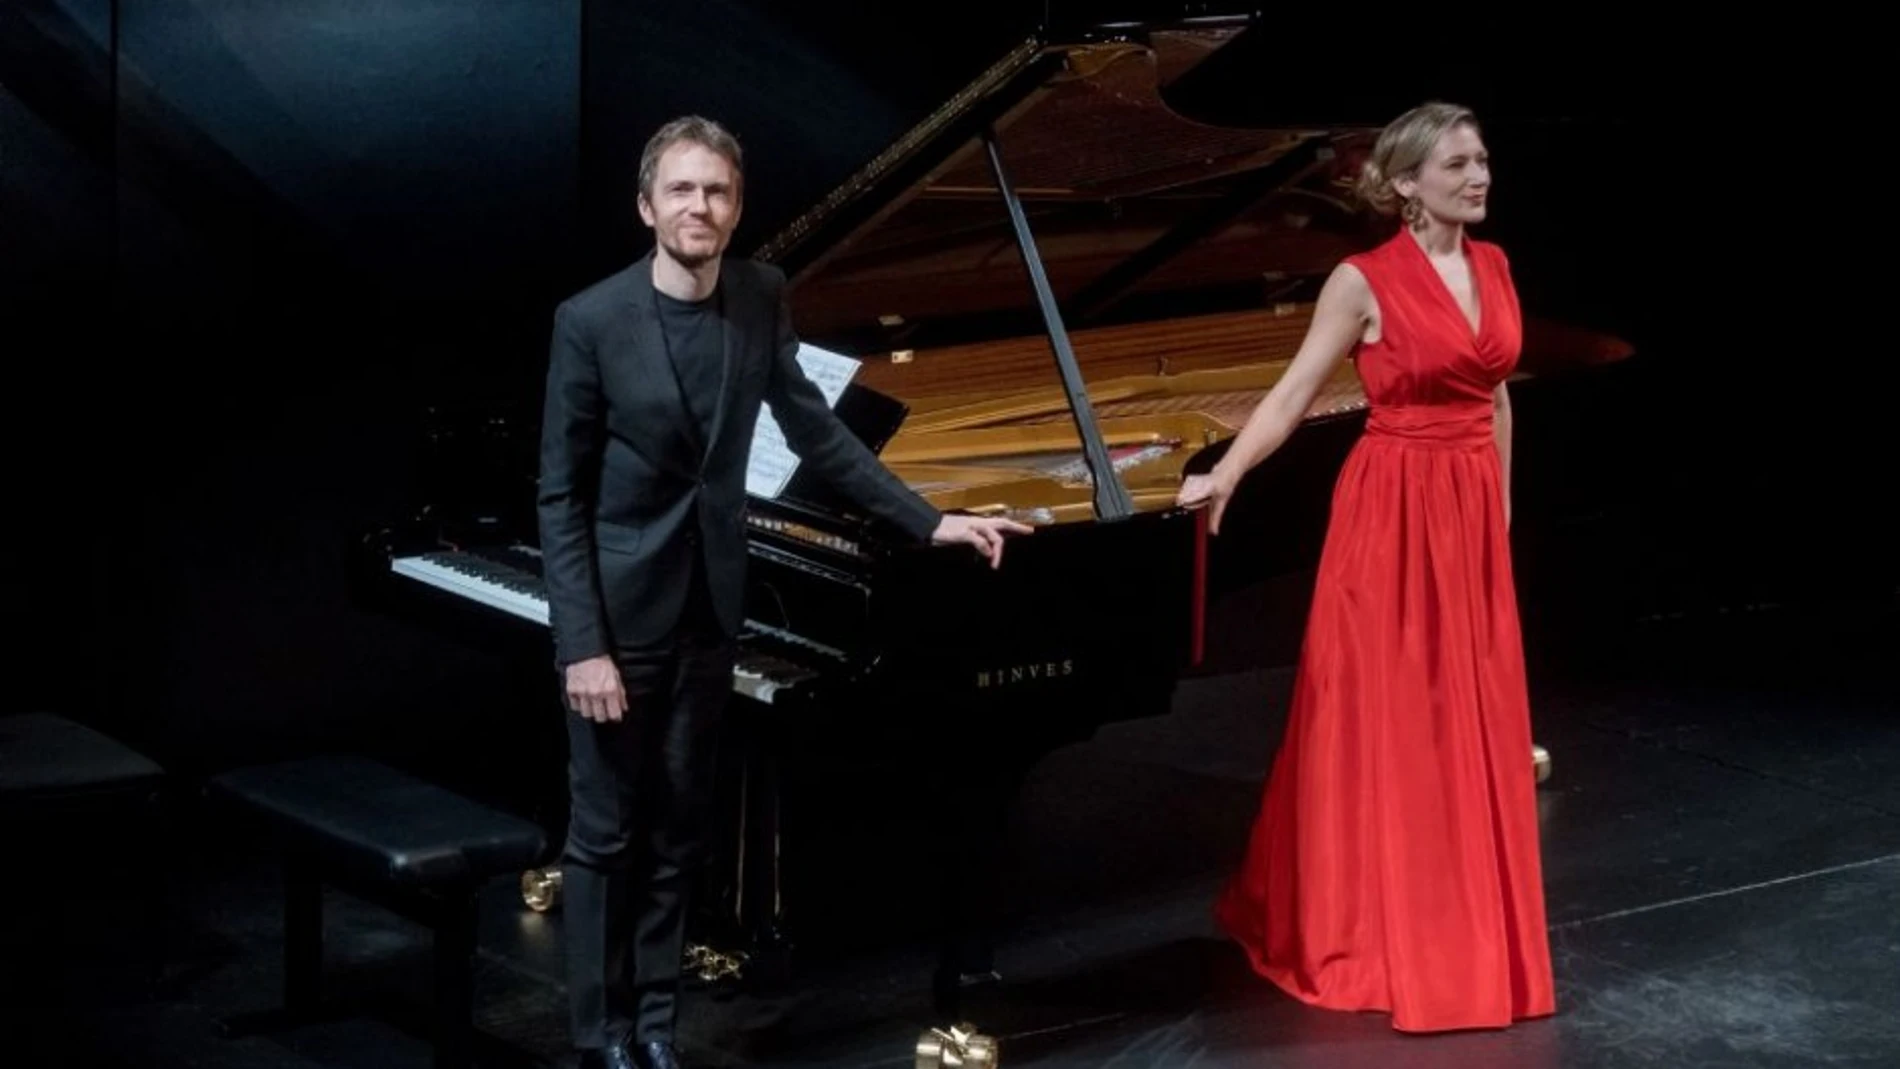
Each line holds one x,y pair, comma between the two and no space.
1111,497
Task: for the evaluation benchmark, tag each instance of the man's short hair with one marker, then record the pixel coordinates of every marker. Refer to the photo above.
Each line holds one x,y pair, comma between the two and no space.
700,131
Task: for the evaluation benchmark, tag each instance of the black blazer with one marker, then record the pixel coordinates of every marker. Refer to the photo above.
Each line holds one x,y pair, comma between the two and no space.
625,476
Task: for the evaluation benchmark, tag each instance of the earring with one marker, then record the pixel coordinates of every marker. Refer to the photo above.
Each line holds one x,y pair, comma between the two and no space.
1413,212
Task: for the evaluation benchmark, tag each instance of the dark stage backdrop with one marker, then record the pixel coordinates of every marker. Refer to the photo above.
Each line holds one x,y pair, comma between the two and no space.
248,244
256,236
56,273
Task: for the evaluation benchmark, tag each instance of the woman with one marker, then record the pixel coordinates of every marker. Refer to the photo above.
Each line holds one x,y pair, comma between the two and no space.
1394,863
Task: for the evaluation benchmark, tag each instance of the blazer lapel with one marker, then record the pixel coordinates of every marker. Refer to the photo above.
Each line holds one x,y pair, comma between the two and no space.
732,309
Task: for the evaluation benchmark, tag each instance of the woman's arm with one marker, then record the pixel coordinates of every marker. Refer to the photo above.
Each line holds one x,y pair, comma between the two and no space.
1339,322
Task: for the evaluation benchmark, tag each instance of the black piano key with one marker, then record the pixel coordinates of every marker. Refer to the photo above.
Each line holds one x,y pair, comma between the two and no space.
499,567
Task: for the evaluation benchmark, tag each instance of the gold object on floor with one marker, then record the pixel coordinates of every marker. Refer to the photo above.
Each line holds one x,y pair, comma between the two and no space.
960,1046
541,888
710,966
1540,760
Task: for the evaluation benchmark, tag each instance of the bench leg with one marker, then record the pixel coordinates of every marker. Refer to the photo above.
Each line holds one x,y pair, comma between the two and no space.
452,920
303,938
303,960
455,933
153,851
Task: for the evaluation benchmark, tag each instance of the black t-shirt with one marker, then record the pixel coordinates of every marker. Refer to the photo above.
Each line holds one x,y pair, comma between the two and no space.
695,339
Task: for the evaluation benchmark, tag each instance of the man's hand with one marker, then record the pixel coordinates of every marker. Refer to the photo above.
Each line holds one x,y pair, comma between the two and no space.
594,689
984,532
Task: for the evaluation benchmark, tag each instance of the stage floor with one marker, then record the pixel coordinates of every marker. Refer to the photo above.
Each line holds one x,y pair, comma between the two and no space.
1722,851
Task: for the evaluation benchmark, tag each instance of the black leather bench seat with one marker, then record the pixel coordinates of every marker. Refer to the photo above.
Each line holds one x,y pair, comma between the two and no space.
42,754
372,821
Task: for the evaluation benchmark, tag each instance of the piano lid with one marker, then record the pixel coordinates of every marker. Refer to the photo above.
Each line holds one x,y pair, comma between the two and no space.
1130,203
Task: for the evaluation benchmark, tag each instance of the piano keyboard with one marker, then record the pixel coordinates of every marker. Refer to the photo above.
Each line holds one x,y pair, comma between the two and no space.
484,576
509,579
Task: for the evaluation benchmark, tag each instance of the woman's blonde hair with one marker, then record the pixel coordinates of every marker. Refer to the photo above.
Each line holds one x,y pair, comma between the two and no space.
1404,146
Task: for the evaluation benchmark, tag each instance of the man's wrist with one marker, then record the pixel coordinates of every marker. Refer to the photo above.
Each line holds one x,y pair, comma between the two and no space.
581,659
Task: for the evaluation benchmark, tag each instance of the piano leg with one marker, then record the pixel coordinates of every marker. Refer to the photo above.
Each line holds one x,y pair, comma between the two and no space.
974,796
736,935
978,783
759,877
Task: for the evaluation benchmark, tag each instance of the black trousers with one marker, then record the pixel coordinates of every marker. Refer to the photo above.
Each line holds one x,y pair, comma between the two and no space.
639,795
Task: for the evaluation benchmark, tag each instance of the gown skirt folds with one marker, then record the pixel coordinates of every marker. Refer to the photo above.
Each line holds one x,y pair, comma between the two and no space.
1394,862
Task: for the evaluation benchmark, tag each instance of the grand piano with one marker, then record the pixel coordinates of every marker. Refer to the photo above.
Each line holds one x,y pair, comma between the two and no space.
1064,296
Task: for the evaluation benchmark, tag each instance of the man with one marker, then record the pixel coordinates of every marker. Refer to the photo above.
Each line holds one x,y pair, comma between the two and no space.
655,379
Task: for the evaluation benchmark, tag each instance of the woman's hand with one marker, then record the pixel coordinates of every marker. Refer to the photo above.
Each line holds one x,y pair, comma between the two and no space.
1210,491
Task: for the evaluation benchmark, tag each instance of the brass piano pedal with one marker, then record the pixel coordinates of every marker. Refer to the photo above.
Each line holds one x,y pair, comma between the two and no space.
1540,762
960,1046
541,888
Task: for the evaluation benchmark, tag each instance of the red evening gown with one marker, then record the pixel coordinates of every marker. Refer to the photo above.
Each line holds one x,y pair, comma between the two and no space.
1393,865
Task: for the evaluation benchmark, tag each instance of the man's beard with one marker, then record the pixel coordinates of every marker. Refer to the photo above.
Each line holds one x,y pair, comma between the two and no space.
690,261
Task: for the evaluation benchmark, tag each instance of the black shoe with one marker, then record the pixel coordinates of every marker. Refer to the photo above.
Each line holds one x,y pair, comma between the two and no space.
658,1054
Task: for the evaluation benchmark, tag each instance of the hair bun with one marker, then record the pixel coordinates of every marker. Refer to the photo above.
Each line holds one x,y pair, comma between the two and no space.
1375,189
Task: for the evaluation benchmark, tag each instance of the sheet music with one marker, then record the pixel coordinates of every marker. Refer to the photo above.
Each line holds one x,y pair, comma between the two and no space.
773,462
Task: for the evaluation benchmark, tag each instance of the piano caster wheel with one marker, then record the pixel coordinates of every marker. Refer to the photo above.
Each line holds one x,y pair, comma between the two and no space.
541,888
709,965
960,1046
1540,761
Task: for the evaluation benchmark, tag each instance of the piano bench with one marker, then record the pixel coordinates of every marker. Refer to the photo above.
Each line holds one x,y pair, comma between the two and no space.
84,816
47,760
410,846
